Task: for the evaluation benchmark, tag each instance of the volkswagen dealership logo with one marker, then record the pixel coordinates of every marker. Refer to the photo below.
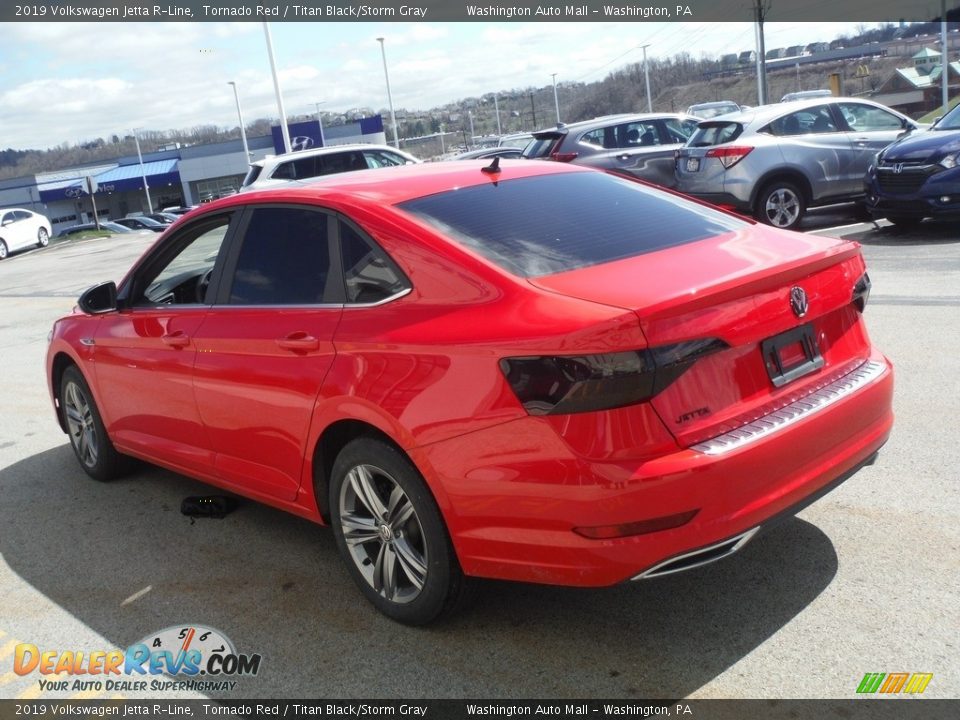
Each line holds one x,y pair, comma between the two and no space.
301,142
798,301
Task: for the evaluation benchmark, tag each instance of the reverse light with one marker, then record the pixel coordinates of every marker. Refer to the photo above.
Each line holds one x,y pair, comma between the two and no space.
563,384
641,527
861,292
729,156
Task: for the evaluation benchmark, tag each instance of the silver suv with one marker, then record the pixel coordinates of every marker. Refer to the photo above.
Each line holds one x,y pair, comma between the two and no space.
305,164
641,145
776,161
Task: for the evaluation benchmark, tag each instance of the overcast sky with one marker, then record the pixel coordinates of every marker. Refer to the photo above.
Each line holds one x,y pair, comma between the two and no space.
72,82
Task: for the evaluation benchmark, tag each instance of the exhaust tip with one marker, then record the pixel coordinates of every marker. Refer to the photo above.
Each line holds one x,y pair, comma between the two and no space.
696,558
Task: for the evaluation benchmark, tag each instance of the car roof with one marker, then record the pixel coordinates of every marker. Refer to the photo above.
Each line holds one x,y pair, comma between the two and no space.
393,185
326,150
605,120
763,114
713,104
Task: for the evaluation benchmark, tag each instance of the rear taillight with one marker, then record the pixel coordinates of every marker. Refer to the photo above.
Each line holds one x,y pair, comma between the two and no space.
564,157
562,384
729,156
861,292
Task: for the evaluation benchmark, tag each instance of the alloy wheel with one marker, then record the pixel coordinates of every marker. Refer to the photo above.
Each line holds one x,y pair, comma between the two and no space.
383,534
782,208
81,425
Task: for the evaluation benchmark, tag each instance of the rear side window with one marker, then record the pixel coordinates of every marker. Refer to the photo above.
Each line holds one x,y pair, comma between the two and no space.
708,134
284,260
368,274
543,225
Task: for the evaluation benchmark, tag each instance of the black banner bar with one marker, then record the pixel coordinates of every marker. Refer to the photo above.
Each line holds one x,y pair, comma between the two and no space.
467,10
872,708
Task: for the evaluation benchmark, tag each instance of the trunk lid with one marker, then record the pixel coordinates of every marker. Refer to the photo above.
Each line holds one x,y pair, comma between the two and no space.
742,297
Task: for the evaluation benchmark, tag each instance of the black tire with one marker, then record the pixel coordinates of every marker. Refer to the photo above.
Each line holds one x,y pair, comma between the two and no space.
88,437
780,203
904,221
43,238
391,535
3,250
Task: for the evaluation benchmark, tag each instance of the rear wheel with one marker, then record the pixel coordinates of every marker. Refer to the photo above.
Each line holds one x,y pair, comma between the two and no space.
3,250
391,534
780,204
43,237
88,437
904,221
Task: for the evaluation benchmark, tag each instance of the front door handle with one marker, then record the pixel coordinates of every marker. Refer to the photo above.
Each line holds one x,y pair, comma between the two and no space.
176,339
299,342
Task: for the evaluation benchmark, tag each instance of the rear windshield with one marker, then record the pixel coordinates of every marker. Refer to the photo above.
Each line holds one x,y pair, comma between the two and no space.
709,133
252,174
549,224
540,147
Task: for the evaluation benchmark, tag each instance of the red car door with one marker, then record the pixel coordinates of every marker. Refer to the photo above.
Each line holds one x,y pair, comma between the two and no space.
146,351
266,345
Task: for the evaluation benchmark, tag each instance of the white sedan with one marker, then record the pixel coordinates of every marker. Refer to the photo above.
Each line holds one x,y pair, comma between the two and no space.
21,229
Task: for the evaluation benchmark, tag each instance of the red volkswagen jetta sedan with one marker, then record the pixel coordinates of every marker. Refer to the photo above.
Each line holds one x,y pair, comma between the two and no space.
528,371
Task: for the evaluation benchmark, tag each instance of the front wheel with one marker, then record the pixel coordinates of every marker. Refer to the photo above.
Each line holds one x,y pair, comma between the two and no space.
43,237
391,534
780,204
88,437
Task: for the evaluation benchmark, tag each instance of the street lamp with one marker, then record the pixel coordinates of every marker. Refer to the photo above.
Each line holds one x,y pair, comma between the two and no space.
386,75
243,132
143,171
320,121
284,130
556,101
646,77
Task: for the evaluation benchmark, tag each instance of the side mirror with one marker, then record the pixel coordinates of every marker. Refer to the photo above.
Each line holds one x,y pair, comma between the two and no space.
101,298
935,121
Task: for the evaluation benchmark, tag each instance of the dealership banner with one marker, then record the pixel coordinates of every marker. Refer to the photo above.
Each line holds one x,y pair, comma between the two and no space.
464,709
467,10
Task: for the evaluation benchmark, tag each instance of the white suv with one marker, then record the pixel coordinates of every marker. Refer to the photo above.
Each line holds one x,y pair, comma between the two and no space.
305,164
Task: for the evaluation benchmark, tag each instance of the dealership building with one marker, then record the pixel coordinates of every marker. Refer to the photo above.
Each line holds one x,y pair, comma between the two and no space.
181,176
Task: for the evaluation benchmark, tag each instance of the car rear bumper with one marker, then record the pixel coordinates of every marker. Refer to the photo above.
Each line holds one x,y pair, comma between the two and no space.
512,512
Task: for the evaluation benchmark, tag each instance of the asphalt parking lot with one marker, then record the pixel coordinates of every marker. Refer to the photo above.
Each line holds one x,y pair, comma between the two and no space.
862,581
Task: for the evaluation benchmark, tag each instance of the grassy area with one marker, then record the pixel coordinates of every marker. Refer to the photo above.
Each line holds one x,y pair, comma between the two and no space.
933,114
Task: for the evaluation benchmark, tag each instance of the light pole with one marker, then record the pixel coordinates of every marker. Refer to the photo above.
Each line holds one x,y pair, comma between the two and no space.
496,108
386,75
320,121
646,77
556,100
284,130
243,132
143,171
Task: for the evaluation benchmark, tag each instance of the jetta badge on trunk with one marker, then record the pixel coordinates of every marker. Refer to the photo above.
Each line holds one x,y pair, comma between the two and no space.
798,301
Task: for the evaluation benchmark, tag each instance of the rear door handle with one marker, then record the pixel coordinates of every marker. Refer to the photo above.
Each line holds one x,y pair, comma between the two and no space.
299,342
177,339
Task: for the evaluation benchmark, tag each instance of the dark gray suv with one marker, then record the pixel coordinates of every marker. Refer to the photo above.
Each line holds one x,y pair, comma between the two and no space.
642,145
776,161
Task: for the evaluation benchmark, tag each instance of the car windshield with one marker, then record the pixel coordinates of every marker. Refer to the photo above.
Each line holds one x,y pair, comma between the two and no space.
950,121
543,225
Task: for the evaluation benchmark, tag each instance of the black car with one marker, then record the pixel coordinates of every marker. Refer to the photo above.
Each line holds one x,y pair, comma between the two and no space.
918,176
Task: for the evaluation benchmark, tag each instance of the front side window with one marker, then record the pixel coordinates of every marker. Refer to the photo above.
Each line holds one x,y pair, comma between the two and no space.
382,158
183,268
284,259
637,134
866,118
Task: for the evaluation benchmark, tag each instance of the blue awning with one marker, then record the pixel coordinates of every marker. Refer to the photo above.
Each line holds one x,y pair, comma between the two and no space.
118,179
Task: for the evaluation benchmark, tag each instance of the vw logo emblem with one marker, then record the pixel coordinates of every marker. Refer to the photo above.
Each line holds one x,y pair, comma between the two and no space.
798,301
301,142
898,168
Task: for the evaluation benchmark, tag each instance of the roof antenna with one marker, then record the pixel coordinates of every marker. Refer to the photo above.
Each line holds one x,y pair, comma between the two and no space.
493,168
